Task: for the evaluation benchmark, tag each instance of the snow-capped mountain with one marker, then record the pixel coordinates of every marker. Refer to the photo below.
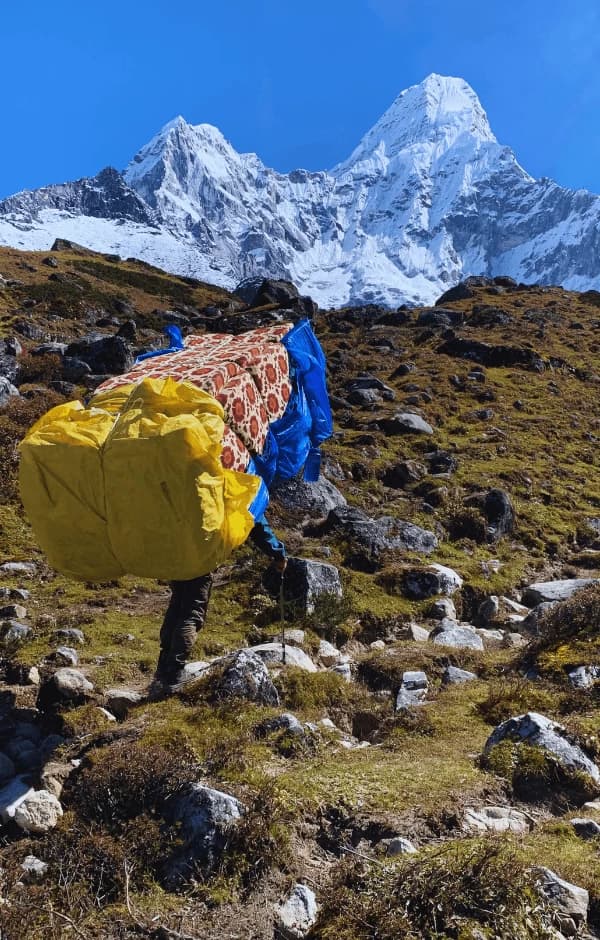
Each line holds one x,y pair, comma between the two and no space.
426,198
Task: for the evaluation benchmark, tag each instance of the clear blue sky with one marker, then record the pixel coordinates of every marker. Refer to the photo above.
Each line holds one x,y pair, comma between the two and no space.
86,84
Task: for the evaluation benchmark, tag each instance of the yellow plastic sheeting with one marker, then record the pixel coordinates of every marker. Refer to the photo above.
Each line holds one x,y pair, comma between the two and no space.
62,488
145,492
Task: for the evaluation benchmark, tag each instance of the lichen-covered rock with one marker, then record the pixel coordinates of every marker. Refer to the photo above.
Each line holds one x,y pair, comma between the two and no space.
315,498
413,690
294,656
306,581
298,914
458,635
540,758
551,591
245,676
205,818
371,537
496,819
567,898
38,812
65,687
453,675
420,583
399,846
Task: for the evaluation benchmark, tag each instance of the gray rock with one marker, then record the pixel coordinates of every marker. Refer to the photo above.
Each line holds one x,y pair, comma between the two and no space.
405,422
460,636
532,622
586,828
399,846
195,669
7,768
105,355
551,591
491,636
54,776
454,676
344,670
12,346
489,609
538,731
306,581
374,536
273,653
15,632
316,498
328,654
65,687
245,676
70,634
583,677
285,722
7,391
496,819
205,817
295,637
10,611
65,655
417,633
566,898
363,397
298,914
413,690
38,812
514,640
443,608
121,701
33,869
26,568
420,583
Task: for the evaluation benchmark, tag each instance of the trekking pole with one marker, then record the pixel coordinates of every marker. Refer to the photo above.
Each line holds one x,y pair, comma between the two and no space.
282,616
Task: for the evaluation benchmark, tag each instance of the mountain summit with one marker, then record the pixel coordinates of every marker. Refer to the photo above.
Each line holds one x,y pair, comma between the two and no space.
427,197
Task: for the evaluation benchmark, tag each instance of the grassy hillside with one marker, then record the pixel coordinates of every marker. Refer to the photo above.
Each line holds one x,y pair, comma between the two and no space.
527,422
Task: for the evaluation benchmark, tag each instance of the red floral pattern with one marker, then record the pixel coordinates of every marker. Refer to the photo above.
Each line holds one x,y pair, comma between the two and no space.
248,374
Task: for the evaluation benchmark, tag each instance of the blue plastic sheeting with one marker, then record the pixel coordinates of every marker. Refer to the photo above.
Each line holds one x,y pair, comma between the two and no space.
260,502
307,421
174,334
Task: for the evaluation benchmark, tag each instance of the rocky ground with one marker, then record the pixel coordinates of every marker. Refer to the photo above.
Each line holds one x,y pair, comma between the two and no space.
425,762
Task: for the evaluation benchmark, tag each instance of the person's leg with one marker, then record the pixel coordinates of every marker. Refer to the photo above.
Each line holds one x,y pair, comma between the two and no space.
169,624
193,599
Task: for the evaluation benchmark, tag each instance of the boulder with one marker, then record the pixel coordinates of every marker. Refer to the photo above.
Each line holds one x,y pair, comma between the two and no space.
412,691
417,633
15,632
65,655
273,653
315,498
7,391
371,537
399,846
405,422
454,676
442,609
65,687
403,473
306,581
70,634
552,591
566,898
496,819
344,670
420,583
120,701
298,914
586,828
460,292
25,568
54,776
538,731
245,676
38,812
105,355
205,818
285,722
328,654
458,635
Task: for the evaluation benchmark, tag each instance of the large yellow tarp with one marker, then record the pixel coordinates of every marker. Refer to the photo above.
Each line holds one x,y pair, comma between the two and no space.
134,484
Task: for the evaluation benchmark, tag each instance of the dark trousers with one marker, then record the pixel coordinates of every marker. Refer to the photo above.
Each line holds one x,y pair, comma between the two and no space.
185,615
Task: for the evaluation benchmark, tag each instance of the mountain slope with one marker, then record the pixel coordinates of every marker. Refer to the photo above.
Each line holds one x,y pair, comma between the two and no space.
426,197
